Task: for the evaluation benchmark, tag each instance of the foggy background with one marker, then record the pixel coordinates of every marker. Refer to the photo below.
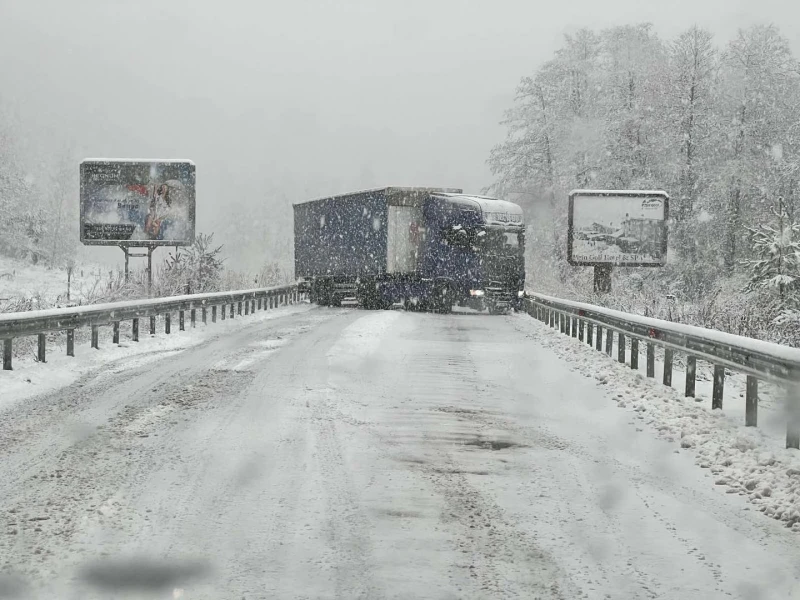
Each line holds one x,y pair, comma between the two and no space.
277,102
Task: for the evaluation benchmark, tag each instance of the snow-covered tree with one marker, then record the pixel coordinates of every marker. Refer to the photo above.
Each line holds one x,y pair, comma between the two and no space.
17,219
760,75
776,247
633,91
198,266
693,78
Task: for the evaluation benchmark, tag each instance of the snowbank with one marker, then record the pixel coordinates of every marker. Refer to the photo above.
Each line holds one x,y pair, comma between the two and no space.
752,462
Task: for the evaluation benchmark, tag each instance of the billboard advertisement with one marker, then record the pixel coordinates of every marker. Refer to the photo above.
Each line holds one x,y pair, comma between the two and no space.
137,202
619,228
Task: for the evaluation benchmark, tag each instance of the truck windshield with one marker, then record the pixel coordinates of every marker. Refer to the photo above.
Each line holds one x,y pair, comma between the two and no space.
488,240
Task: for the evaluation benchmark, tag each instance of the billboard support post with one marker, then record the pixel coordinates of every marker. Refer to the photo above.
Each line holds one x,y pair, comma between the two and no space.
128,254
127,258
602,279
150,270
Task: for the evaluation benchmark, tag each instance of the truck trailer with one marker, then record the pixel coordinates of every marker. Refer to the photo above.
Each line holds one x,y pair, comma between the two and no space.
423,248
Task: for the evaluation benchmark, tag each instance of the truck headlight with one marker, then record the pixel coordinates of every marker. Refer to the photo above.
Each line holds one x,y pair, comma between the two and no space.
476,292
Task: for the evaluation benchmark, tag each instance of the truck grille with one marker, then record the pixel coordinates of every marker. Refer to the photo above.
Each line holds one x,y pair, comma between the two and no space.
499,294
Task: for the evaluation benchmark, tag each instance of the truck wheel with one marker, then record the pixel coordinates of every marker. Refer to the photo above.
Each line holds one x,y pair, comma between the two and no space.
443,303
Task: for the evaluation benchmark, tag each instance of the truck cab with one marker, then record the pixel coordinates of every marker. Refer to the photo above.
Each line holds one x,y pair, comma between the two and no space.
478,244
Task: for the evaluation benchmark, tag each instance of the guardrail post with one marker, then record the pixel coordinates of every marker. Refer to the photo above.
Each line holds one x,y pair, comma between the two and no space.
751,402
193,317
574,327
793,417
181,321
793,437
223,311
651,359
205,319
239,306
621,347
719,387
95,338
167,322
41,350
135,330
7,353
609,341
634,353
70,342
259,303
562,323
252,306
246,307
233,309
213,314
691,375
580,330
668,356
153,325
589,331
599,344
115,329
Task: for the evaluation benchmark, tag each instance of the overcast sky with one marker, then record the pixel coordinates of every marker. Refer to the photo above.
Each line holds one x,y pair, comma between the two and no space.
306,96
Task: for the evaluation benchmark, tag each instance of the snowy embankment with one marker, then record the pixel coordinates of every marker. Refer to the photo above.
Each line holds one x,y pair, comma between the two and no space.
749,461
21,280
30,378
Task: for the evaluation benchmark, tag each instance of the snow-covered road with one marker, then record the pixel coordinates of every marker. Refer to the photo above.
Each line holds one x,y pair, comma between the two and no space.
337,453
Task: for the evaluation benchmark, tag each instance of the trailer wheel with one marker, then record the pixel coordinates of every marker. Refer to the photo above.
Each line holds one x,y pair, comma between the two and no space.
444,299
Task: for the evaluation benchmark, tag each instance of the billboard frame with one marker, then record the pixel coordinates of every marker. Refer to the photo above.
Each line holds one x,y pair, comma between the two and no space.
136,243
603,193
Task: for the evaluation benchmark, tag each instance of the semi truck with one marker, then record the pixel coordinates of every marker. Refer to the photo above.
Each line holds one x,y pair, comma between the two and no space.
423,248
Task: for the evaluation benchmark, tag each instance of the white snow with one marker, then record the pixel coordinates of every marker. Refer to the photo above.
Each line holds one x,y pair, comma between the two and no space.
375,455
30,378
751,462
139,160
20,279
580,192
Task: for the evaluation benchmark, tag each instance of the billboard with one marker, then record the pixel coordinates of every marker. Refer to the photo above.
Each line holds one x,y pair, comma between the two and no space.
622,228
137,202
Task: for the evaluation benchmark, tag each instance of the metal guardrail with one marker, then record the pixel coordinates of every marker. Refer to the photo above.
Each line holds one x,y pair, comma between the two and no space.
39,322
757,359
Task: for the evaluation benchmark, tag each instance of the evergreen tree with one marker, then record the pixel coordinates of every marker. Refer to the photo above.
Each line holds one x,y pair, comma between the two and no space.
776,265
